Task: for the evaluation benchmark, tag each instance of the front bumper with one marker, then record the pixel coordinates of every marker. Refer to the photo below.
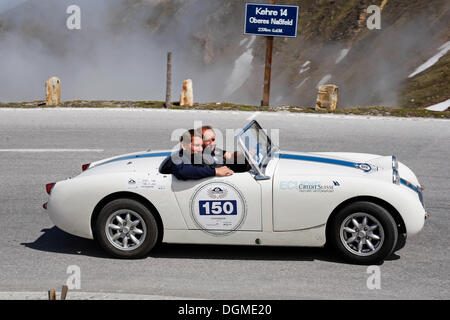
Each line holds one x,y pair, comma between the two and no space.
419,190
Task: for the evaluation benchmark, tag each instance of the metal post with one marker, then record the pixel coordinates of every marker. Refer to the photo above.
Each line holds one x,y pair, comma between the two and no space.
169,80
268,68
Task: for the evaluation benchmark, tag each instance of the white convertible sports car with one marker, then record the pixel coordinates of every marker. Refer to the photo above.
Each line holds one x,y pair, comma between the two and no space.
363,205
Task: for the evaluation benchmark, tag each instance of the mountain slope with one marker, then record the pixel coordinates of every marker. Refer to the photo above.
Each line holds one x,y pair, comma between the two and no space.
122,42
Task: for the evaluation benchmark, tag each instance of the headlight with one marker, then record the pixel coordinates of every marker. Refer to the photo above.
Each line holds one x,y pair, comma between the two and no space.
395,175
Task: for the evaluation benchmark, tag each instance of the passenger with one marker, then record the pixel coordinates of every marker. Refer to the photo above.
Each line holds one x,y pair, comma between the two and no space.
188,163
216,157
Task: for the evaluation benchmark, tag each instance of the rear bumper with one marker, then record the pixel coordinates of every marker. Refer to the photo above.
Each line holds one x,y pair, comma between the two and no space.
69,212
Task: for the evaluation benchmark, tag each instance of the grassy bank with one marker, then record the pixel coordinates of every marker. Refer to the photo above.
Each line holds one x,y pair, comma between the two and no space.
358,110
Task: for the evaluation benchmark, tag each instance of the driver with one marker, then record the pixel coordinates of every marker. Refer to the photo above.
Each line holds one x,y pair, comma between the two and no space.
217,157
190,164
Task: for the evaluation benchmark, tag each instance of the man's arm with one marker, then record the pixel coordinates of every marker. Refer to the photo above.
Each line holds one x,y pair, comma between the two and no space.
189,171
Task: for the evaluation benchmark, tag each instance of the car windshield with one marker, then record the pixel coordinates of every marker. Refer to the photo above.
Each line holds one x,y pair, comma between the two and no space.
256,146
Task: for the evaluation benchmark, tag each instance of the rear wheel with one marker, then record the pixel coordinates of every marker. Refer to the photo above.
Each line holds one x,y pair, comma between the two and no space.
126,228
363,232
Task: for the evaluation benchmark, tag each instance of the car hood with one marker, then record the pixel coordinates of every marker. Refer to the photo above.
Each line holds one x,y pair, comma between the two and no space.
336,163
380,163
350,156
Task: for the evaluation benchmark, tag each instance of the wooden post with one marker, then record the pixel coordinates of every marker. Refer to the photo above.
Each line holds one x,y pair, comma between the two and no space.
268,68
64,291
187,94
169,80
267,72
52,295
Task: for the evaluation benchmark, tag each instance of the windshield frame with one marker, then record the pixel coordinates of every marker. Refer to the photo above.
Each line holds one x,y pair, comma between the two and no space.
260,167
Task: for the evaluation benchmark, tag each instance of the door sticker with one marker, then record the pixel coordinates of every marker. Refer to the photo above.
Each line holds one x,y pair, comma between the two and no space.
218,208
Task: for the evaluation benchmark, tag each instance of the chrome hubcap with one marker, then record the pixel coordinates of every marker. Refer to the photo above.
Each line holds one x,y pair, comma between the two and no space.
362,234
125,229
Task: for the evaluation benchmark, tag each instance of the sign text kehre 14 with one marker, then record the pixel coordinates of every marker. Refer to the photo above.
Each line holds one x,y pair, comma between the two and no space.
271,20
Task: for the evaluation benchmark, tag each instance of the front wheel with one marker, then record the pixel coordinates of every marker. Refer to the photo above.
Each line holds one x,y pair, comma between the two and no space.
126,228
363,232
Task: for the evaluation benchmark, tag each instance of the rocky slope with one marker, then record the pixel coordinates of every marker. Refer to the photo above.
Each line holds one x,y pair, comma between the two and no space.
371,67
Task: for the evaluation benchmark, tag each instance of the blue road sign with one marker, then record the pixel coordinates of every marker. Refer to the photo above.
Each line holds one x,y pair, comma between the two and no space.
271,20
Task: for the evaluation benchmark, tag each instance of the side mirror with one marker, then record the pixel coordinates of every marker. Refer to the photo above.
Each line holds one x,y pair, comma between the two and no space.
261,177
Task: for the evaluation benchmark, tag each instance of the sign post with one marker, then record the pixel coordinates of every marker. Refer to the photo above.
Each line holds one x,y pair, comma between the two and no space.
270,20
267,70
167,104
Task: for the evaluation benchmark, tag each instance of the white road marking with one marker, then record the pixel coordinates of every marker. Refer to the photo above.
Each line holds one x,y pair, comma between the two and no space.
253,116
51,150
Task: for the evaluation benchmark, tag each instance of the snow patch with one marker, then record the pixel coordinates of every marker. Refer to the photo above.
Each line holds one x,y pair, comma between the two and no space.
440,106
324,80
306,63
301,83
342,55
241,71
303,70
443,50
253,38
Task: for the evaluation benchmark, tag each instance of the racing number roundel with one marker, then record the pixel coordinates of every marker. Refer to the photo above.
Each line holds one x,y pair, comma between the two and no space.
218,208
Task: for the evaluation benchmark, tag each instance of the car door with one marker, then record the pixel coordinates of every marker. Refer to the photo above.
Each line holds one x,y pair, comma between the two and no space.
220,205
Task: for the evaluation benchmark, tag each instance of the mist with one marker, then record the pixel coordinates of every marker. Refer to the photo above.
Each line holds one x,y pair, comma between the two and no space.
120,54
114,56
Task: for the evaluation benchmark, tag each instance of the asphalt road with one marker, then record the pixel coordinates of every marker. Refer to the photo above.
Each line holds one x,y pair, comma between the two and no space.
35,254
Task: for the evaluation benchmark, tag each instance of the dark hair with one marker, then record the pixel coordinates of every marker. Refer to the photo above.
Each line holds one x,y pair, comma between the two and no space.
187,137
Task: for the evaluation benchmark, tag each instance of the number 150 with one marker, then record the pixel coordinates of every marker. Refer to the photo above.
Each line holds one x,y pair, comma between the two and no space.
218,207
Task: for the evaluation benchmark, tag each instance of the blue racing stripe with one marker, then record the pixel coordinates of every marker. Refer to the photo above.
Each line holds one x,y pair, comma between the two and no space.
326,160
409,185
317,159
414,188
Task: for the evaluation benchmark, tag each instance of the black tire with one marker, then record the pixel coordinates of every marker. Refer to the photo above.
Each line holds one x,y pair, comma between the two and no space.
377,215
401,242
138,213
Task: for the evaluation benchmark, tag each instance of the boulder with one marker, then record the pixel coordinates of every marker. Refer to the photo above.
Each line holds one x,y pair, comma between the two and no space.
327,97
53,91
